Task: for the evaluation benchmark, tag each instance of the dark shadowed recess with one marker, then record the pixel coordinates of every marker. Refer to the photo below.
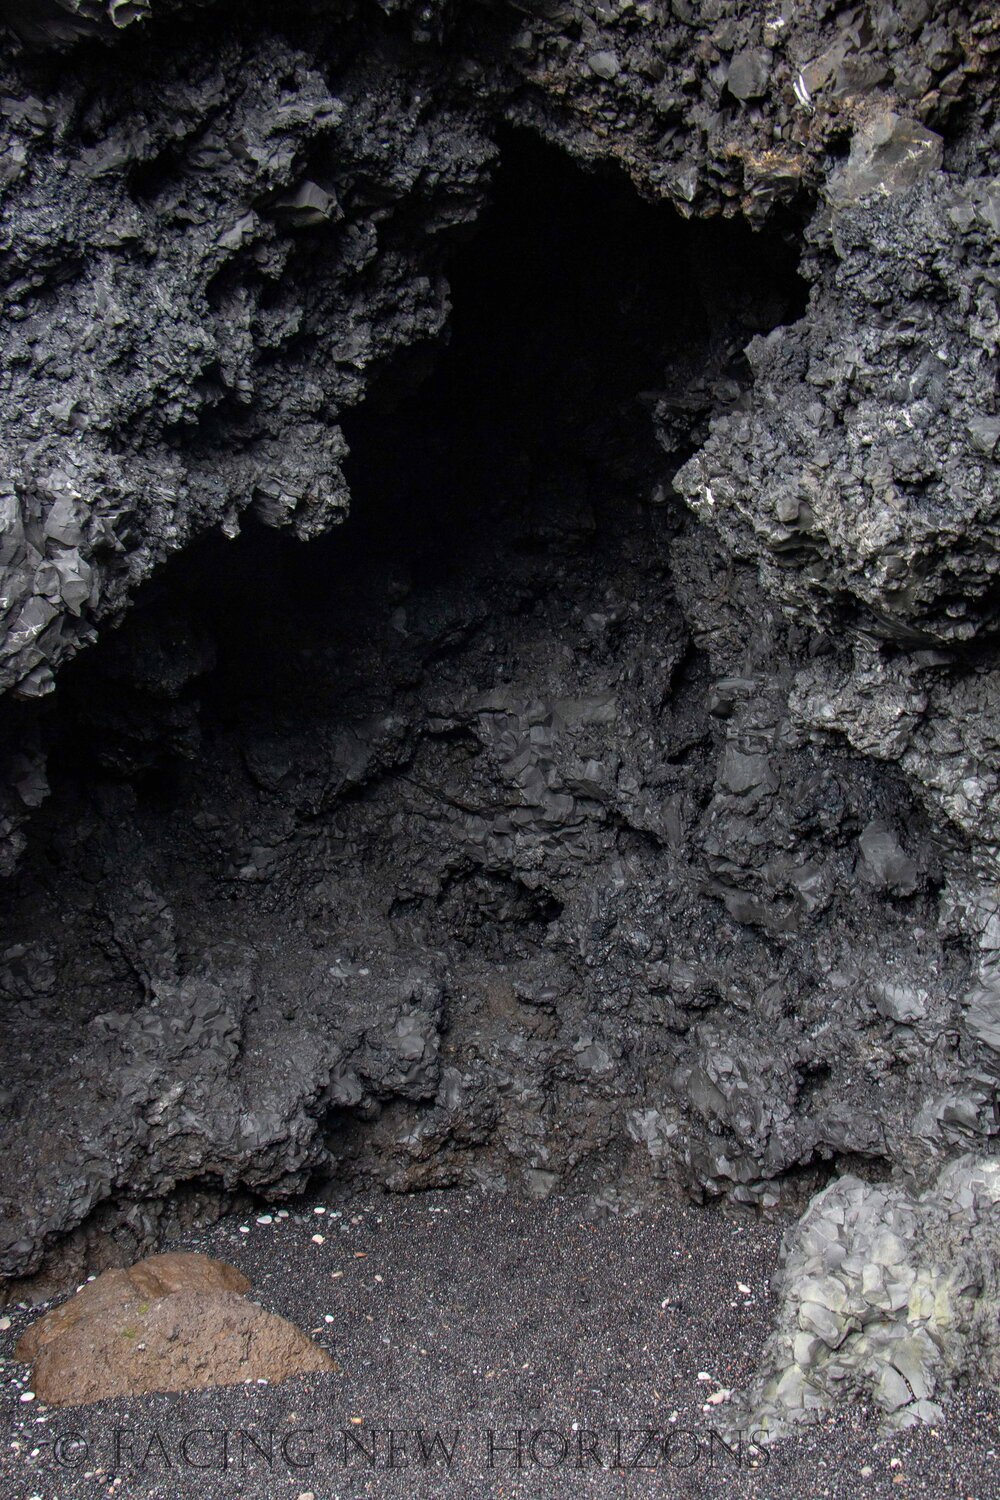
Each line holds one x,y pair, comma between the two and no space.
578,310
278,768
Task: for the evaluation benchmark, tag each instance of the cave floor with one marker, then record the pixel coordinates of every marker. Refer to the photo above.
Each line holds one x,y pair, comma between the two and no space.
463,1314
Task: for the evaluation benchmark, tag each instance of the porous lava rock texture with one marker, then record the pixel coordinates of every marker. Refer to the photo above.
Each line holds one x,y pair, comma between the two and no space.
174,1322
610,800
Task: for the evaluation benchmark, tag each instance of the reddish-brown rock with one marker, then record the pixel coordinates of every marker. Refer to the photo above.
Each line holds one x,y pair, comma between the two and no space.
173,1322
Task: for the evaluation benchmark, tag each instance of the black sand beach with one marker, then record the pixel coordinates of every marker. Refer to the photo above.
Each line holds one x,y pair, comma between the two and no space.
549,1354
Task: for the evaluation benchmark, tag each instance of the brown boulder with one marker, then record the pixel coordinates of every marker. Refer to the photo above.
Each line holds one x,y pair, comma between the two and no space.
171,1323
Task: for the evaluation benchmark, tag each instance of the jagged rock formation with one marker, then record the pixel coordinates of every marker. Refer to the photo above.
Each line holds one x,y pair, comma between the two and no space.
888,1296
208,245
612,800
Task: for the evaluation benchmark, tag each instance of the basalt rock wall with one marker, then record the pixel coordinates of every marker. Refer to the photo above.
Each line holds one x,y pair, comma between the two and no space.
526,480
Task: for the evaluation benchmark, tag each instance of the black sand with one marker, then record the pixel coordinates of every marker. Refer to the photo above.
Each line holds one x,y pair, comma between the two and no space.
467,1316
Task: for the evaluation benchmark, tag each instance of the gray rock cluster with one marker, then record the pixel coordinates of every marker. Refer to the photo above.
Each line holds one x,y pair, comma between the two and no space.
888,1297
189,308
869,448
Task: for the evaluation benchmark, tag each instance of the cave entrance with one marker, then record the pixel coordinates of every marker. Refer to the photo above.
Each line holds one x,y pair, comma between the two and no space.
390,807
583,319
591,336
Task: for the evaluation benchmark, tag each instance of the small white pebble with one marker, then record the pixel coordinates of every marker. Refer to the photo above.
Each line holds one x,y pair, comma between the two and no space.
319,1239
282,1213
328,1317
4,1324
741,1286
378,1278
717,1397
866,1471
319,1210
265,1219
244,1229
27,1395
704,1375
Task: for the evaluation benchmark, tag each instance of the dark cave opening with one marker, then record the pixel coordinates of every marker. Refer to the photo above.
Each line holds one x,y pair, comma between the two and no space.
577,308
585,323
402,823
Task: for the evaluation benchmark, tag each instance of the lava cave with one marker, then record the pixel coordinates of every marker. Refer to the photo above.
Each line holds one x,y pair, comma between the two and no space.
499,647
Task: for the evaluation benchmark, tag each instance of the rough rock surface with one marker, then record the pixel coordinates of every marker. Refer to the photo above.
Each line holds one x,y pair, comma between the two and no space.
174,1322
869,452
585,811
888,1296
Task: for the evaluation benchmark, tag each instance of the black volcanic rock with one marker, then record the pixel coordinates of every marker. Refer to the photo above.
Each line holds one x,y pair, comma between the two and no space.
610,799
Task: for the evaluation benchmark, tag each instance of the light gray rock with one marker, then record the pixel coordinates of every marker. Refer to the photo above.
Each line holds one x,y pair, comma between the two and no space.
917,1313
